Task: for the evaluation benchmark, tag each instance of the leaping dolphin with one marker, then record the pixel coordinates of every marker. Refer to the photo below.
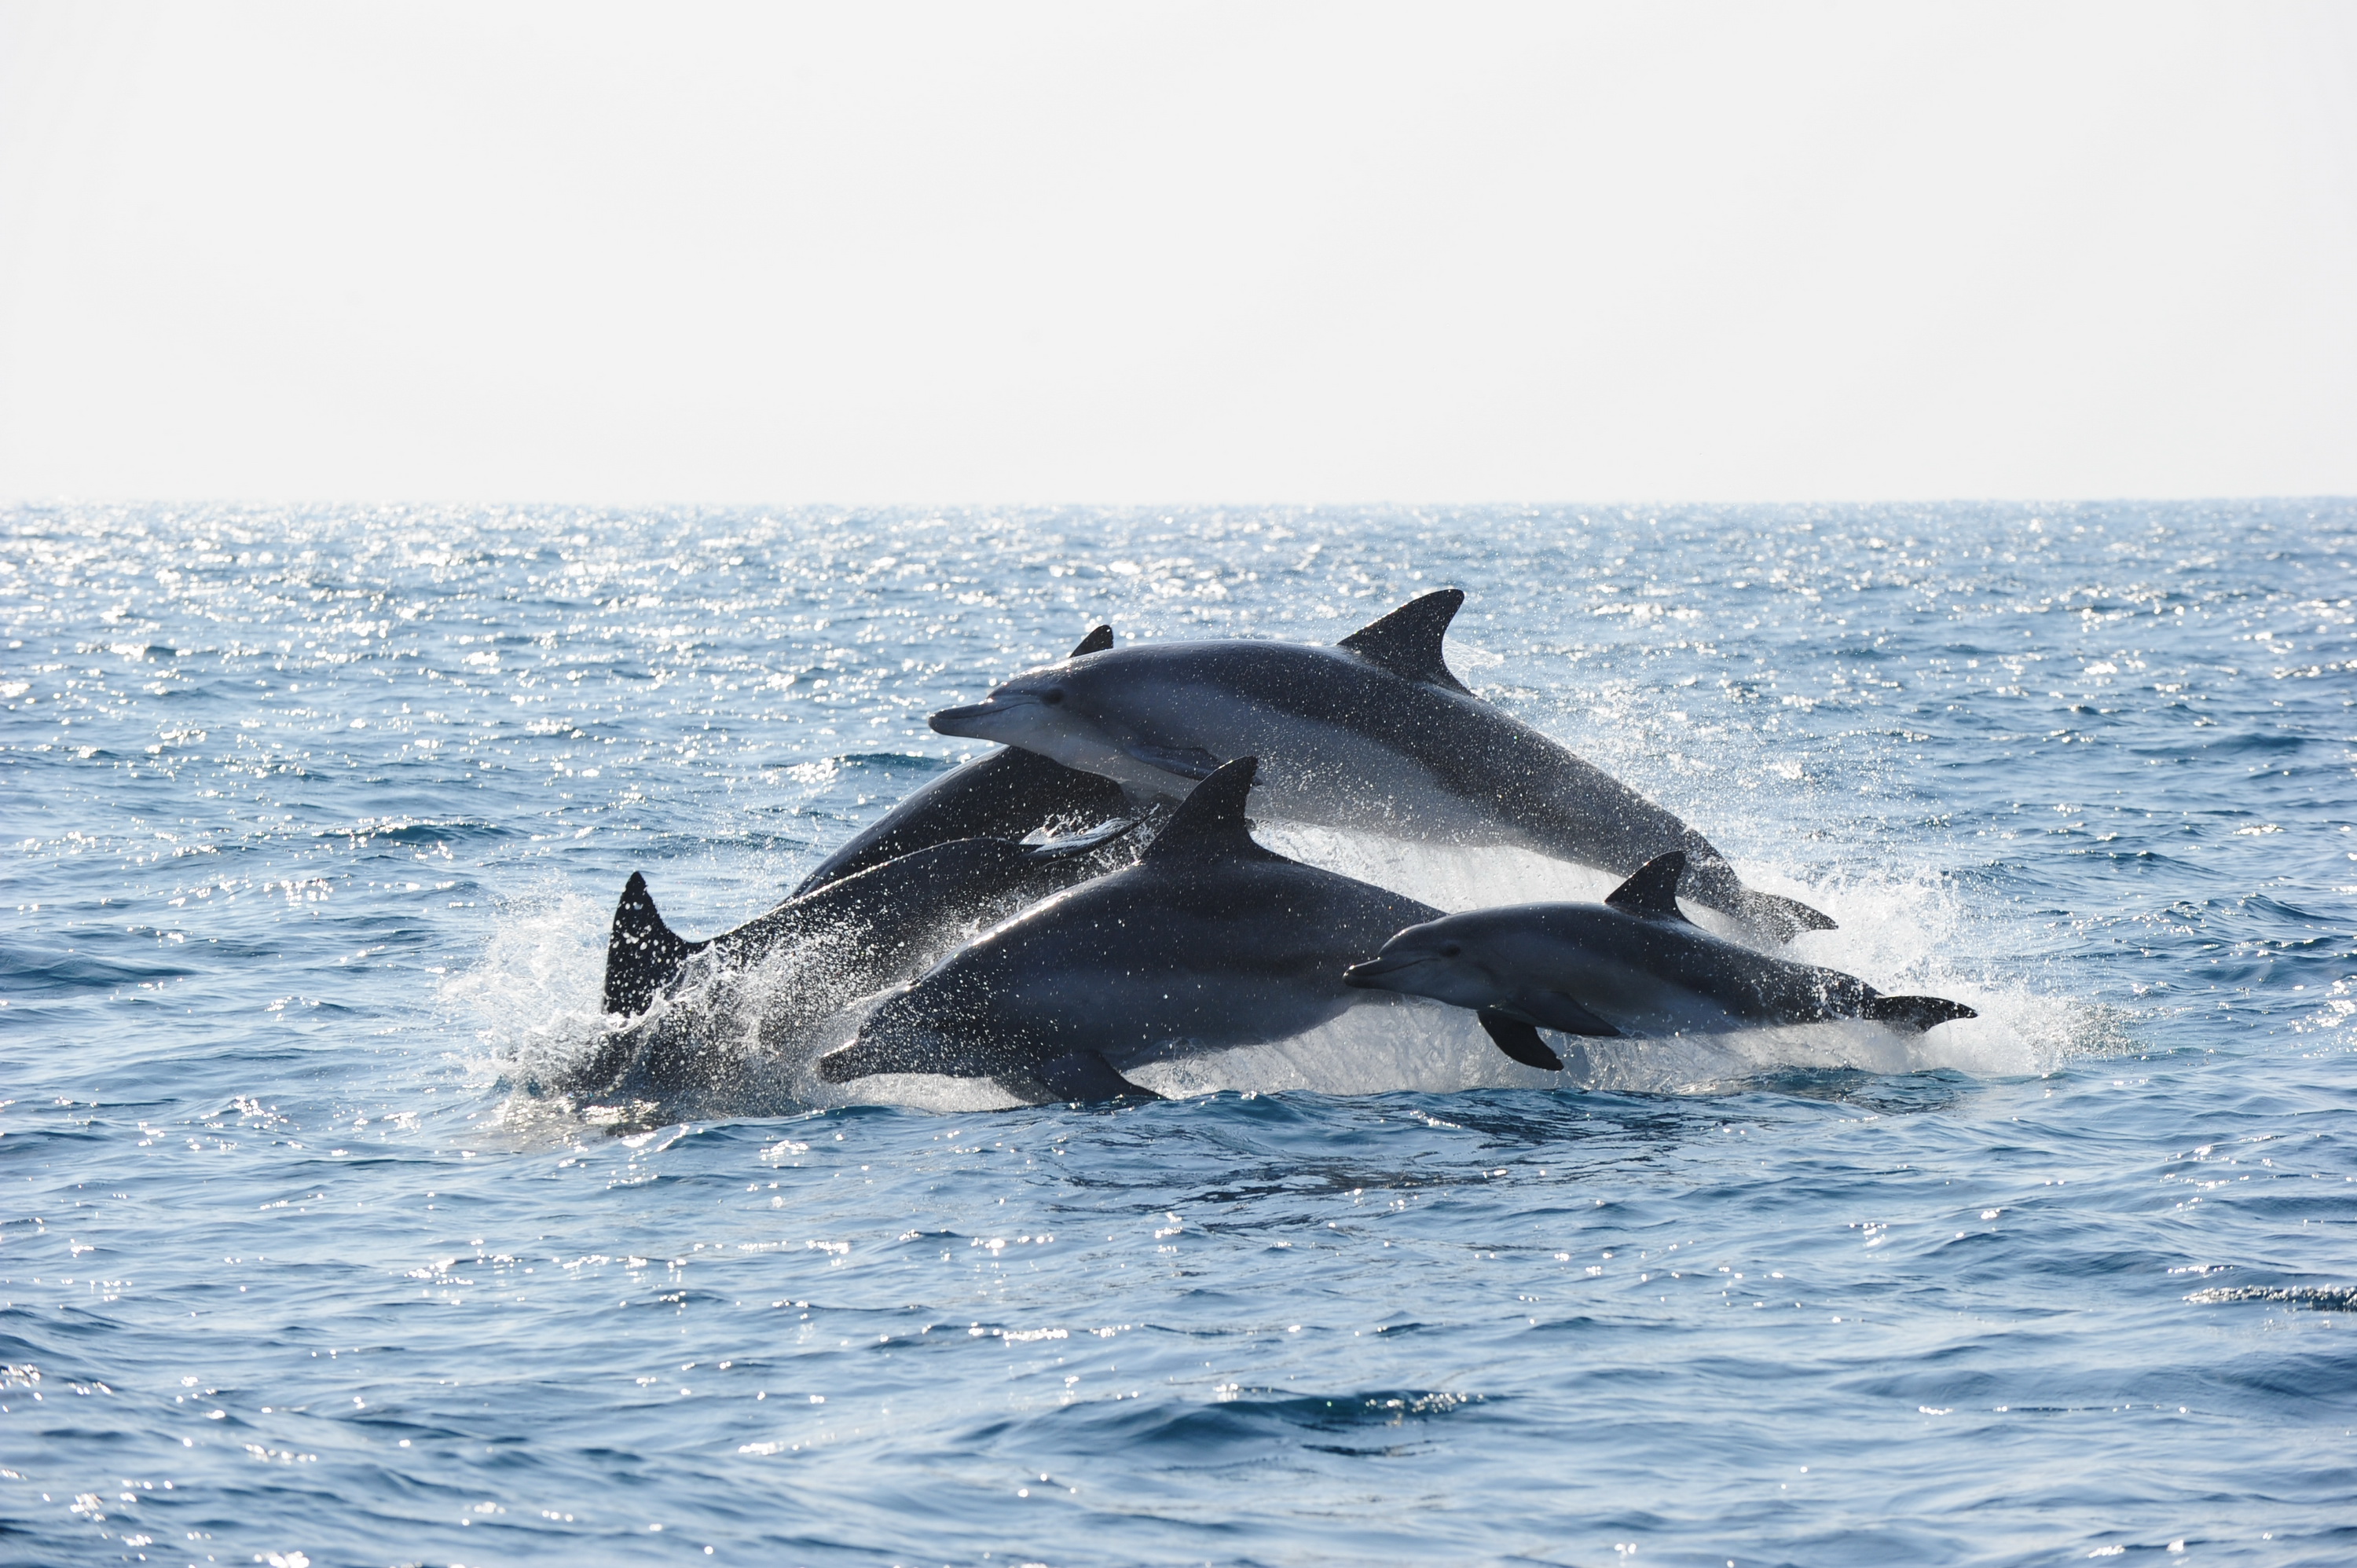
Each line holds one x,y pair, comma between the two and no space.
1209,942
1631,965
888,923
1373,734
1009,793
895,907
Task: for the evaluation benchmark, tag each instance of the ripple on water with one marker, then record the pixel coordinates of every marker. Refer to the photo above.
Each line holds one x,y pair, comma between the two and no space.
316,821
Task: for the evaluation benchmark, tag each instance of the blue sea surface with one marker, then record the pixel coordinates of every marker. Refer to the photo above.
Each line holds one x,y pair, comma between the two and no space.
315,820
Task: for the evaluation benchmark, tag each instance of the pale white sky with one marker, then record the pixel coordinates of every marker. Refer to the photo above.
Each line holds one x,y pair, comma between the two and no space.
1176,251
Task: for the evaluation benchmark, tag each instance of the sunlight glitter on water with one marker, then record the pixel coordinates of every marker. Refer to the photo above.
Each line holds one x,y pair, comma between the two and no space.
316,821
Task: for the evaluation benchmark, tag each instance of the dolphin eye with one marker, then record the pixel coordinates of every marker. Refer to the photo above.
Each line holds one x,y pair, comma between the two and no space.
1450,949
1053,696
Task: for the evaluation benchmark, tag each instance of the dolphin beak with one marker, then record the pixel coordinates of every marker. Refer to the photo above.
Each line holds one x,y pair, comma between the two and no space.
1079,844
1369,976
972,722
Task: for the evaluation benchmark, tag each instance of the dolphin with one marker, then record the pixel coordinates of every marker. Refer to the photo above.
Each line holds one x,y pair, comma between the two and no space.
1209,941
1009,793
1631,965
1373,734
897,905
889,923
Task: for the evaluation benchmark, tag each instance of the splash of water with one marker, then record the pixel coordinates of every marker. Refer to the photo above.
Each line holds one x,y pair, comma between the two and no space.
535,998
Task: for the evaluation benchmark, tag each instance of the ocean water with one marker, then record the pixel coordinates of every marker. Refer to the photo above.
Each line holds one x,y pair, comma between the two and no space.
314,820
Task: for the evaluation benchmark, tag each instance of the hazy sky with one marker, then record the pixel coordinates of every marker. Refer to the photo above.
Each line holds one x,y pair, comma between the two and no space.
1177,253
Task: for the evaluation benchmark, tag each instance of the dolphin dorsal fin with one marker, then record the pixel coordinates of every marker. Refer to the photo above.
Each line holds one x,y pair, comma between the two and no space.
642,954
1407,641
1652,890
1099,639
1210,824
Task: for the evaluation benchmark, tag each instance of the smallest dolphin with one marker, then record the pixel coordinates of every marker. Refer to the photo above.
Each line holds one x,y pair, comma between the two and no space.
1631,965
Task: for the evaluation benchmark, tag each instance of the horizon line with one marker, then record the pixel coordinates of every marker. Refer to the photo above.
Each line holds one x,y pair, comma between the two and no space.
17,503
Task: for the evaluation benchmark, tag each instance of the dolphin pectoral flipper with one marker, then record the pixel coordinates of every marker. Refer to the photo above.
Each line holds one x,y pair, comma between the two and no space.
1407,641
1518,1039
1080,1075
1918,1012
642,954
1187,762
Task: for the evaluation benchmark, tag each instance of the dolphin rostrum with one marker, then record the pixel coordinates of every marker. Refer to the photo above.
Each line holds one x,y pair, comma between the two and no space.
1009,793
1631,965
877,927
1372,734
1209,941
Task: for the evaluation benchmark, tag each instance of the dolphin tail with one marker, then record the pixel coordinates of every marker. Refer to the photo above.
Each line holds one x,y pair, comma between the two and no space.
1709,880
1775,915
642,954
1917,1012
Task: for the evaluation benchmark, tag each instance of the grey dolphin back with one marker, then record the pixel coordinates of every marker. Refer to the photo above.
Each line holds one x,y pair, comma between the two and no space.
1004,793
1634,967
1407,642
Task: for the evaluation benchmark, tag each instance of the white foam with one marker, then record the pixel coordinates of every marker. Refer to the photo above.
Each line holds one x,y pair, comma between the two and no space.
532,996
